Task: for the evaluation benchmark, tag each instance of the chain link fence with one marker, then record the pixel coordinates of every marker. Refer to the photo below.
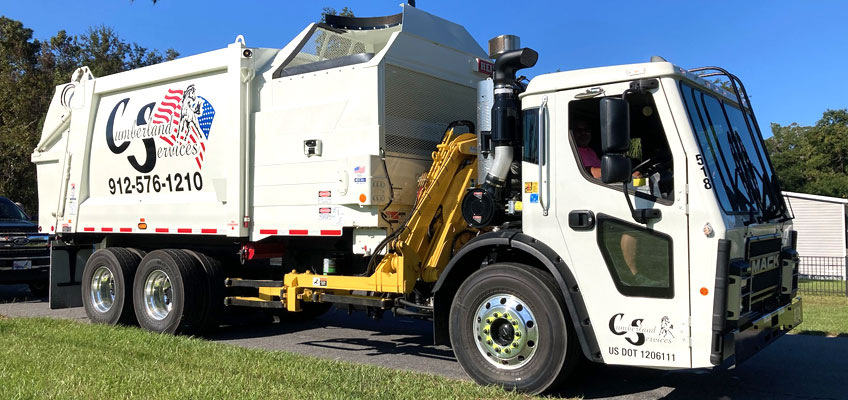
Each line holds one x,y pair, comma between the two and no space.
823,276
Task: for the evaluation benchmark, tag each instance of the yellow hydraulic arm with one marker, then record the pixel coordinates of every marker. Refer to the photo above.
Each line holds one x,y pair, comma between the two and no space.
423,246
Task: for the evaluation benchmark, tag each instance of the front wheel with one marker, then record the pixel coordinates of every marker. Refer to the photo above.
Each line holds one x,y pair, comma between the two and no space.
508,328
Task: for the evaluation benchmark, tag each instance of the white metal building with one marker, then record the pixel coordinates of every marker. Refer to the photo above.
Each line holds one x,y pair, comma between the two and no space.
821,225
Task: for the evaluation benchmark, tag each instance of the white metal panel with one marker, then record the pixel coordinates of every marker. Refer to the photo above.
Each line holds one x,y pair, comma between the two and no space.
439,30
175,131
820,226
606,306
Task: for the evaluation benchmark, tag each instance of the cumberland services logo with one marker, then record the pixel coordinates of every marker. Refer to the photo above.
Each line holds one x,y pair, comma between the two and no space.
176,126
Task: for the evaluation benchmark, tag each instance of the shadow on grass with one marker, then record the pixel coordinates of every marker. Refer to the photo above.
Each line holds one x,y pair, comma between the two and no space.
822,333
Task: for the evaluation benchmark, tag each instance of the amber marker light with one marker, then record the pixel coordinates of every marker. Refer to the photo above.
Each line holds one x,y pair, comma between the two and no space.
705,291
142,224
362,198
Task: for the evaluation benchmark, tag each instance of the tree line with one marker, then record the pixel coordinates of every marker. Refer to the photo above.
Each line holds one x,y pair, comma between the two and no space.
30,69
812,159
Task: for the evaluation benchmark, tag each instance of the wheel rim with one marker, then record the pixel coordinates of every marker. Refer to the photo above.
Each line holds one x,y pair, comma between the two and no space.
507,334
102,289
157,295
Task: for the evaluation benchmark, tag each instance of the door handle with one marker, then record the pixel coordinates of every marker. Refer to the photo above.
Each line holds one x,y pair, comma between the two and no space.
581,220
543,201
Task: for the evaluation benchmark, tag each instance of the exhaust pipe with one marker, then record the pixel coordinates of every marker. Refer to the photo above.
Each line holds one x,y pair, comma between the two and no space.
482,207
506,114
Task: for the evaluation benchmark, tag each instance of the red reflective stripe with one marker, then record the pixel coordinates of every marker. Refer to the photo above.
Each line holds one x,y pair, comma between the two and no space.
88,229
267,231
298,232
165,230
331,233
208,231
183,230
126,229
106,229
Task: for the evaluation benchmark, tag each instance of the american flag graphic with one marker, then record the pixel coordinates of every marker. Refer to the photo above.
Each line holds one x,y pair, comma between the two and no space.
188,117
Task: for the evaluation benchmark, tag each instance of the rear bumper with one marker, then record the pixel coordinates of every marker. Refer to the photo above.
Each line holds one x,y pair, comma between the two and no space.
742,345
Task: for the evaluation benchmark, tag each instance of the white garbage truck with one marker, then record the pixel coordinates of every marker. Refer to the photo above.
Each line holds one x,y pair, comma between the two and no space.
625,215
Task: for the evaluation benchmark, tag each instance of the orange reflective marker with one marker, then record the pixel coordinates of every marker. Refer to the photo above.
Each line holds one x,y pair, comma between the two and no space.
705,291
362,198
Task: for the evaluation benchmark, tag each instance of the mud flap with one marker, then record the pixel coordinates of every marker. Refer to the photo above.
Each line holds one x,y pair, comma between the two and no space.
66,265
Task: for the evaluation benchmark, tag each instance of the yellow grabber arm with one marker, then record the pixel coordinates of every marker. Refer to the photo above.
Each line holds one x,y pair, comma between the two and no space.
423,246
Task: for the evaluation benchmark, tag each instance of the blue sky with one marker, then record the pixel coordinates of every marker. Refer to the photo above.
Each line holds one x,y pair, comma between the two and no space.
791,55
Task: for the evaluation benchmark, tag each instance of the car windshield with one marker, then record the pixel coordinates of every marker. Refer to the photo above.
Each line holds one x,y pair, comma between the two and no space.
9,210
733,155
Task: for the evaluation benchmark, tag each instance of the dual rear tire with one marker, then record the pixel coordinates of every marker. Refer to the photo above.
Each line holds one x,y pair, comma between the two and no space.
166,291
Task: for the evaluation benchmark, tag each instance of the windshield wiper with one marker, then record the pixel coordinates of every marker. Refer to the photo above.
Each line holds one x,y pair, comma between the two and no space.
744,169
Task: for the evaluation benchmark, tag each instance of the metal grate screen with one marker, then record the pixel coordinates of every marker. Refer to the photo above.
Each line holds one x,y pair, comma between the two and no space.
419,107
325,45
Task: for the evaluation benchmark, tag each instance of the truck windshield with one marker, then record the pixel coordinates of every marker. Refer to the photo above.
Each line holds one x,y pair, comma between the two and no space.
9,210
733,156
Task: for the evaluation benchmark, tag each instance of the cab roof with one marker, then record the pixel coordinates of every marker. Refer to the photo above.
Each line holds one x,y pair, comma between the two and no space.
590,77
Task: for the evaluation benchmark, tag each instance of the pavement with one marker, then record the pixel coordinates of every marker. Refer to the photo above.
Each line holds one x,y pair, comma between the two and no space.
794,367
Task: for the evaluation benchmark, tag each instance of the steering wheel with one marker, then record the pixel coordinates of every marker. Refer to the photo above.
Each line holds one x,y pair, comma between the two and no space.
652,164
641,166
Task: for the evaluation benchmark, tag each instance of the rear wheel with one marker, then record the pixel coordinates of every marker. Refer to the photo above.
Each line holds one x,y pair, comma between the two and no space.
214,288
508,328
106,283
168,292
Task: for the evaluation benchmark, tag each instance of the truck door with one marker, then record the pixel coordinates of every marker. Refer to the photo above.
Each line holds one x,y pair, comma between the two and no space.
633,276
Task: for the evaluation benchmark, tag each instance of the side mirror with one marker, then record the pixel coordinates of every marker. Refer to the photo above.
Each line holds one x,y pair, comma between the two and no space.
615,125
615,168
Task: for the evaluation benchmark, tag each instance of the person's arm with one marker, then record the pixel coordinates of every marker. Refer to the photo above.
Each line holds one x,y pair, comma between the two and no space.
596,172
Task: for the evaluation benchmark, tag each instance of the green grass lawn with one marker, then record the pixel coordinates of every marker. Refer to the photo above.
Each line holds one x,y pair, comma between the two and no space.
47,358
824,315
817,288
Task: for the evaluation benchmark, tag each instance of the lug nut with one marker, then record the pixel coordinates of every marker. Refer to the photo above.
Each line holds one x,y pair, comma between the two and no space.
497,315
489,320
489,342
486,331
506,351
517,334
514,344
514,323
497,349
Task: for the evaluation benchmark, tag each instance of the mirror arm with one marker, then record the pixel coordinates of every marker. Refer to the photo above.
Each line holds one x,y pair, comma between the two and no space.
640,215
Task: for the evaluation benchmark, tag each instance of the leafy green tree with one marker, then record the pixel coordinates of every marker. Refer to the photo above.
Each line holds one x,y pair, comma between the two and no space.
29,72
345,12
812,159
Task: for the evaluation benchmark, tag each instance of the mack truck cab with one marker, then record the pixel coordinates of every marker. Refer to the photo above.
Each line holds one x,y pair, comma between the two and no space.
693,264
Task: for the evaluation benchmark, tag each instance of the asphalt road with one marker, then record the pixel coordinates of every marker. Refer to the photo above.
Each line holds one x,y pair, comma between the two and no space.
795,367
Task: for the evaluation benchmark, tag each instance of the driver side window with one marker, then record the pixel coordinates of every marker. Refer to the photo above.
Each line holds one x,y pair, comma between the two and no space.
649,151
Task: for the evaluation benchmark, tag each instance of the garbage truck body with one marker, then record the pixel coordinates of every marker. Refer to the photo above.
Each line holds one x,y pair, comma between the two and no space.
626,215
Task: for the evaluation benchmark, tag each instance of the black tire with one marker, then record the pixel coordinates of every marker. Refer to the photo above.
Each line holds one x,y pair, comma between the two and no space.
526,294
177,306
214,288
139,253
119,264
39,289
